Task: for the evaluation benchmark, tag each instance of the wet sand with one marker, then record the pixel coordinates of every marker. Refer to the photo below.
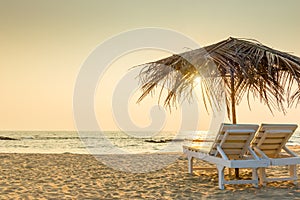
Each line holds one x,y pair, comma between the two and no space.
78,176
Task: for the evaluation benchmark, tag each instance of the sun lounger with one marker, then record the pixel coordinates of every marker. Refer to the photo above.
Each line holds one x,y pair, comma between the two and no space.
270,143
229,150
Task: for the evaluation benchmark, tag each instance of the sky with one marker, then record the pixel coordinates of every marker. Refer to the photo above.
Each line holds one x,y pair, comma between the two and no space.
44,44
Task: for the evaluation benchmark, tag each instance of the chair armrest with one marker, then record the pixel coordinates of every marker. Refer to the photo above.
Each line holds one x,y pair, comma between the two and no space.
220,150
261,152
253,153
289,151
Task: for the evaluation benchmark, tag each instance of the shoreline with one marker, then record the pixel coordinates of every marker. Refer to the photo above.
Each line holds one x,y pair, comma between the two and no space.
82,176
295,147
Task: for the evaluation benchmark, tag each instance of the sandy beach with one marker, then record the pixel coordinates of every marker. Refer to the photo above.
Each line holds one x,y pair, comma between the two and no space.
79,176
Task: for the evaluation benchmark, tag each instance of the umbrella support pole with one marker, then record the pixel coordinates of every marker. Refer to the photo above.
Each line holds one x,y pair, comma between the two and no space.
237,174
233,112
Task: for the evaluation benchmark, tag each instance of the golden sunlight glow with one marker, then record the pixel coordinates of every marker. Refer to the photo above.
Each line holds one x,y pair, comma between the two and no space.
197,80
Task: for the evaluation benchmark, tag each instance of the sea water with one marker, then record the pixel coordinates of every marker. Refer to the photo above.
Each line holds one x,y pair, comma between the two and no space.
101,142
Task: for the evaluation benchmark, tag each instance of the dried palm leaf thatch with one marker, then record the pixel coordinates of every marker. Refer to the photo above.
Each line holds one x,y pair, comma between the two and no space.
229,69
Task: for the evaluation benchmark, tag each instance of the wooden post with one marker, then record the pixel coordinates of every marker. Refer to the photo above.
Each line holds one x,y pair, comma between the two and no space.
233,113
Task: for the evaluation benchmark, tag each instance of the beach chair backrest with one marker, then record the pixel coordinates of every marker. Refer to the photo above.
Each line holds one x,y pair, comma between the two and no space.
234,139
271,138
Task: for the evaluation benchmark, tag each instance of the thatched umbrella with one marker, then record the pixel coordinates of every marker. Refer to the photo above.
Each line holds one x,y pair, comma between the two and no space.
229,69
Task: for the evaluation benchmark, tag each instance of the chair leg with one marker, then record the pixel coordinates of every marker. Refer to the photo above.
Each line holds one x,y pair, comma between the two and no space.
221,176
293,173
190,165
255,177
262,176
